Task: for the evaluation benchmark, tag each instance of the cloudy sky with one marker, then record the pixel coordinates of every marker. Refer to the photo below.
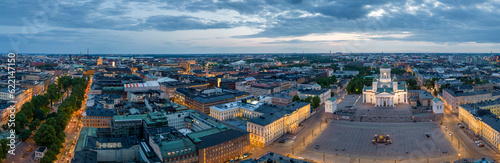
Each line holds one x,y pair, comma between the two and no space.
248,26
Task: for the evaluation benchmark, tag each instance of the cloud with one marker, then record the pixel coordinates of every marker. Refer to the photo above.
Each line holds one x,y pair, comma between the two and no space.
298,41
173,23
274,21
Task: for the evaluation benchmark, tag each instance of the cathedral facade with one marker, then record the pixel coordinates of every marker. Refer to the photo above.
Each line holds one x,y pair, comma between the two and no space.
385,91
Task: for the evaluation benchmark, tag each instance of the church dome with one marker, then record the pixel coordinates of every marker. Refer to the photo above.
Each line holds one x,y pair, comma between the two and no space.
385,65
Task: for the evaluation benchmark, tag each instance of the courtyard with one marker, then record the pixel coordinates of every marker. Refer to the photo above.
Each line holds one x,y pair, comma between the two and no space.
353,139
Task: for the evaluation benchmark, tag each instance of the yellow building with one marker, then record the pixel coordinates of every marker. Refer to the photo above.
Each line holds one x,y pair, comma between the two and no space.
482,123
266,122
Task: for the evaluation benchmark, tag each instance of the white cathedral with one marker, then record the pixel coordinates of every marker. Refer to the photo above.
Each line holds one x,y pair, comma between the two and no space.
385,92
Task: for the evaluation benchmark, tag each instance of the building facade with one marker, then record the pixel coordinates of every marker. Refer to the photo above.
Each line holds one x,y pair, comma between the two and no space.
385,92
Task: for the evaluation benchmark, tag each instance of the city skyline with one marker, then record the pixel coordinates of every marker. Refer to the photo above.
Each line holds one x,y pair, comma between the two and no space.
289,26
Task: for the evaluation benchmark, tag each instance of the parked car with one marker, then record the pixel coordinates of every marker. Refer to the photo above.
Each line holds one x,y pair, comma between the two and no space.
317,146
480,144
282,141
477,141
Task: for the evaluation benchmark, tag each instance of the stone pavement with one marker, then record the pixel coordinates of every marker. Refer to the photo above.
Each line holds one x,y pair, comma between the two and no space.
353,139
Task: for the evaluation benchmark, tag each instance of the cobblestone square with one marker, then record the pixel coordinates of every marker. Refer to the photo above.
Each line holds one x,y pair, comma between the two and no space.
353,139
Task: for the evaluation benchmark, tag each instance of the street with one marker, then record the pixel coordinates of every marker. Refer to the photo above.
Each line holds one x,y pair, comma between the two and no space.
461,142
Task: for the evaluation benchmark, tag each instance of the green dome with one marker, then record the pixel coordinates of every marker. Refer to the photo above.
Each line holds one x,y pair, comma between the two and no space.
385,65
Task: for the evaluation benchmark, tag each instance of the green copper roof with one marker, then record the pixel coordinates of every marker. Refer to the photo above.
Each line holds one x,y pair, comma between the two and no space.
436,99
82,139
367,88
386,90
332,99
385,65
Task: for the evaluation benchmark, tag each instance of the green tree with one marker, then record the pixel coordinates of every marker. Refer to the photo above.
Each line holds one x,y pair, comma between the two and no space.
38,114
315,102
25,134
412,84
307,99
53,93
27,109
20,122
45,135
35,123
296,98
4,148
49,157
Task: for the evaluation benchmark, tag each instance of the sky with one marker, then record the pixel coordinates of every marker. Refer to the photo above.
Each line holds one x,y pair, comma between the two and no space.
249,26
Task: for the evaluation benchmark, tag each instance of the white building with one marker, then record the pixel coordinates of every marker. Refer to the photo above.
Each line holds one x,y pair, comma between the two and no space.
331,105
385,92
437,106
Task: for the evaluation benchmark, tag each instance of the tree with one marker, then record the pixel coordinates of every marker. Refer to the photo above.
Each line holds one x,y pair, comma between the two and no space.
50,115
307,99
296,98
53,122
434,93
333,79
45,136
27,109
4,148
39,114
20,122
412,84
356,84
35,123
53,93
25,134
315,102
49,157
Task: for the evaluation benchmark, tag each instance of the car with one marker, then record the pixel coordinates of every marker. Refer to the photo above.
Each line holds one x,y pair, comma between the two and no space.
295,137
317,146
282,141
480,144
478,141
